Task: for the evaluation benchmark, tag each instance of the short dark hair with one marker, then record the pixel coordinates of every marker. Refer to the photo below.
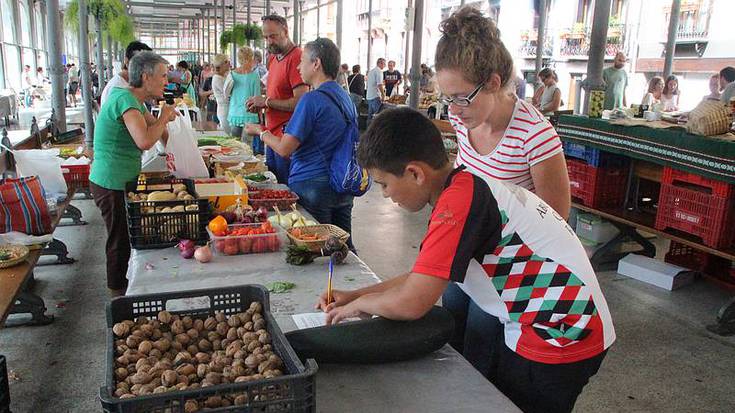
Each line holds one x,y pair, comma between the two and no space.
183,64
135,47
275,18
326,51
344,66
399,136
356,69
728,73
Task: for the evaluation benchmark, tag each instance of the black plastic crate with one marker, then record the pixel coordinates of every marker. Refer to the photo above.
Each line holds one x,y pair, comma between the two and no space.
149,229
4,387
295,391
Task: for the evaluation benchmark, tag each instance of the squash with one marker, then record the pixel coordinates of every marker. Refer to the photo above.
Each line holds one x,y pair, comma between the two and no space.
161,196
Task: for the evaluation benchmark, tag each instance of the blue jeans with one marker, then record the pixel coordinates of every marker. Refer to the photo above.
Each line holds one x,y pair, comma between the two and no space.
325,205
278,165
475,331
258,145
373,108
356,99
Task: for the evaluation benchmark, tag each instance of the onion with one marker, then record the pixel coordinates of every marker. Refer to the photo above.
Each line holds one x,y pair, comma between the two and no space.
203,254
188,253
186,244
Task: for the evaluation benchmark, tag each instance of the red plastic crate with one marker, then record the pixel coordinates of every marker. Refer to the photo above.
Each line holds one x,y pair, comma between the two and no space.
597,187
697,213
686,256
76,176
676,177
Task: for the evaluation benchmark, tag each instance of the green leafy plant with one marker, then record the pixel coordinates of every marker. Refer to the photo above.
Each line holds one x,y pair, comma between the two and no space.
225,39
109,13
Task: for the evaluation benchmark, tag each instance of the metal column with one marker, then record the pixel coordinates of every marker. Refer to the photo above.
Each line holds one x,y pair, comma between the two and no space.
100,58
340,12
540,39
216,38
250,12
234,20
54,38
109,56
267,7
671,40
597,48
296,22
418,29
86,78
318,17
369,35
224,21
409,26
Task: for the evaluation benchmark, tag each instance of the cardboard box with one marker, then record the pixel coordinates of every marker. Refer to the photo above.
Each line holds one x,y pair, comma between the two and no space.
655,272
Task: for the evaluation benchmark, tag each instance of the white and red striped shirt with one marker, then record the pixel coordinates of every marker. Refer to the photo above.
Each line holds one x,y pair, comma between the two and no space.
528,140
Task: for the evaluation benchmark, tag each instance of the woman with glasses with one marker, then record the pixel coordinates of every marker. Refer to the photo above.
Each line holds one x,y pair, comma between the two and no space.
504,138
499,135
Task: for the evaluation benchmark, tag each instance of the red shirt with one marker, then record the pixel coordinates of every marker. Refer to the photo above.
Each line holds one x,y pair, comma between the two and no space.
283,78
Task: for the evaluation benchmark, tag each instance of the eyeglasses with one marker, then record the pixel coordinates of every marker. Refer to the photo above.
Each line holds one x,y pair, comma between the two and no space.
462,101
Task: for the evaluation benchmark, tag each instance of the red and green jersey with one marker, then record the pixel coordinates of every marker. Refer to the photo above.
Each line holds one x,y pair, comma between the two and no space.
519,261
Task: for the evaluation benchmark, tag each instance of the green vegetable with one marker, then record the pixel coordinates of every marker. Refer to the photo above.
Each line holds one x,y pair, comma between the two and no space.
280,287
299,255
5,255
206,142
259,177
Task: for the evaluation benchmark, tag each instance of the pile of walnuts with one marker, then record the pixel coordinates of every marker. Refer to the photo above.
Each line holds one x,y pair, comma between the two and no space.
173,353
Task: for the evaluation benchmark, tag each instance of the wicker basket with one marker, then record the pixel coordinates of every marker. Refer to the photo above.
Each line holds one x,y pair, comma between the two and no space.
21,252
324,231
709,118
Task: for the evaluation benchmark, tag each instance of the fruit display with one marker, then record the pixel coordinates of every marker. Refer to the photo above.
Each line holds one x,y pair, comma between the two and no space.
244,238
174,353
427,100
268,198
397,99
597,100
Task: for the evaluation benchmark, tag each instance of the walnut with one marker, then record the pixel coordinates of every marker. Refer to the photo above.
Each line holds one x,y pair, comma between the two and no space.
169,378
259,324
220,316
198,325
202,358
204,345
241,400
183,339
232,334
191,406
256,306
145,346
249,326
121,329
133,341
186,369
222,328
234,321
213,377
193,333
202,370
192,349
210,323
252,361
245,317
253,345
217,344
156,353
157,333
121,373
127,396
272,373
182,357
264,338
141,378
177,327
147,330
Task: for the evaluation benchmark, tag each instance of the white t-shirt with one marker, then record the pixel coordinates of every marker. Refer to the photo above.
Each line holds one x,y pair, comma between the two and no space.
528,140
218,89
116,81
374,79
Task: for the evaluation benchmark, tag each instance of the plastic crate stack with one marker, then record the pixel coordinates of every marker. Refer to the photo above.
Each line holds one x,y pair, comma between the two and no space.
698,206
77,176
686,256
597,178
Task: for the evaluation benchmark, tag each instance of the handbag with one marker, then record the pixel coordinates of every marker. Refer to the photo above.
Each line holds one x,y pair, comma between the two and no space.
23,206
346,176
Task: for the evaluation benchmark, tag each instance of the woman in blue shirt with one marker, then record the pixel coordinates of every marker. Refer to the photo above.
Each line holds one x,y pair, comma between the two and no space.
317,127
245,83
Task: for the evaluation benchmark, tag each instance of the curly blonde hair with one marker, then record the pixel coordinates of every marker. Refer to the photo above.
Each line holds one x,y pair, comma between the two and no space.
245,55
471,43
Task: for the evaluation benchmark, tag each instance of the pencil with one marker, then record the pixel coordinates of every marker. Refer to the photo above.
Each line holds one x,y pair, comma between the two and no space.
329,281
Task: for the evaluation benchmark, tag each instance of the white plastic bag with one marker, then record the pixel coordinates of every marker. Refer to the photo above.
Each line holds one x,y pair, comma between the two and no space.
182,154
45,164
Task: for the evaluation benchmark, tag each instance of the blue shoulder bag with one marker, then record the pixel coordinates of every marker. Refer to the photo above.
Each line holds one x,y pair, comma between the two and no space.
346,176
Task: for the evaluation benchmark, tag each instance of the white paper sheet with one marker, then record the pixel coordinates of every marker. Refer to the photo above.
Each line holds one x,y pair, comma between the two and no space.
309,320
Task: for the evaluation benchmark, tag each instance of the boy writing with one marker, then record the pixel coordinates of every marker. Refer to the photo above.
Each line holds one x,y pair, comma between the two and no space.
506,249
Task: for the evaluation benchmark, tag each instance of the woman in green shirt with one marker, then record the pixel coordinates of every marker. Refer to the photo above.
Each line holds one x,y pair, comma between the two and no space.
124,129
245,84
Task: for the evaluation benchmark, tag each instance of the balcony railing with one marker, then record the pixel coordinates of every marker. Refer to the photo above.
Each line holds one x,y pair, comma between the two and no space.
576,42
691,34
529,45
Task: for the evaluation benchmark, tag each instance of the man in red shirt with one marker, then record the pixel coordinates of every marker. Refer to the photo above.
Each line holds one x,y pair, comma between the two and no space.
284,88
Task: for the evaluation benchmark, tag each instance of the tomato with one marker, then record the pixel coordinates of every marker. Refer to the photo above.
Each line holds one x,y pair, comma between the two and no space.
219,245
274,243
232,249
245,244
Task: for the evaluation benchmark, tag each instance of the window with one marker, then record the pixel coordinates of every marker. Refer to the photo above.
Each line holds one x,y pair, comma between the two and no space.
40,25
8,21
29,58
25,23
13,69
